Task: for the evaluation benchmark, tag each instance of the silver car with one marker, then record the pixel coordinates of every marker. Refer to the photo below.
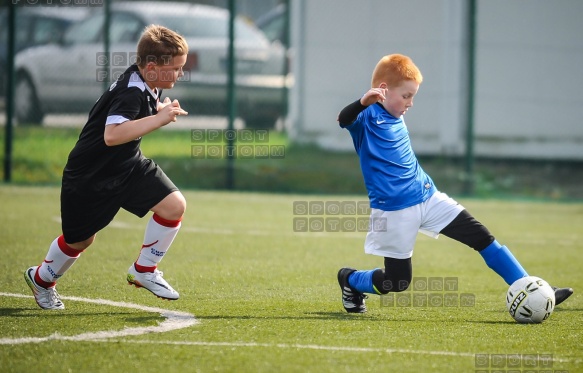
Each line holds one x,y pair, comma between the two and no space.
69,76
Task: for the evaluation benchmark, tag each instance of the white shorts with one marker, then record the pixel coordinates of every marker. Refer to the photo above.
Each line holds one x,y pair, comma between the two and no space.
393,233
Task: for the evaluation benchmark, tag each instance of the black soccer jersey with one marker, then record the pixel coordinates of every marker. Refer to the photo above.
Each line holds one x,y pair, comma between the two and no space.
94,166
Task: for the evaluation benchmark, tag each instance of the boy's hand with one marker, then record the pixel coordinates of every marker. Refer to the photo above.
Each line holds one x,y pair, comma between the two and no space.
161,105
373,95
169,110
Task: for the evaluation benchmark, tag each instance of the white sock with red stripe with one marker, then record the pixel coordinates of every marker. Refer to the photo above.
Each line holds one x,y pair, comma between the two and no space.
58,260
157,240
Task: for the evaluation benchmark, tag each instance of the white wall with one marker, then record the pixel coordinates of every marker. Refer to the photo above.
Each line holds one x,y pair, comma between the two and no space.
529,71
530,78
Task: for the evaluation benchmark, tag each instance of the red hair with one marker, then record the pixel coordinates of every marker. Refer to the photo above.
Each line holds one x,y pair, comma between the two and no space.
393,69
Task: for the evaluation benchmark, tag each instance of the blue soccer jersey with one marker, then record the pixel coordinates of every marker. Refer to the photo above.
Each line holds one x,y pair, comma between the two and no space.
392,175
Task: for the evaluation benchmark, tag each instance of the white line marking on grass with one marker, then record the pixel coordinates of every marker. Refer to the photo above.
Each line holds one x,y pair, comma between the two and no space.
324,348
174,320
179,320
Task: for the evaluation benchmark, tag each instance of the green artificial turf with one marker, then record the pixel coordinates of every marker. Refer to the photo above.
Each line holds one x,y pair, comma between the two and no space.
266,297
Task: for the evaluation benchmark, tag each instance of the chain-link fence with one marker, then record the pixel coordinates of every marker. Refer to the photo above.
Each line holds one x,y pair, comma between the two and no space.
58,56
65,57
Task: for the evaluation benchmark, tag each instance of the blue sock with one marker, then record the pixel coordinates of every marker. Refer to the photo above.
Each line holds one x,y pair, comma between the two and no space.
362,281
501,260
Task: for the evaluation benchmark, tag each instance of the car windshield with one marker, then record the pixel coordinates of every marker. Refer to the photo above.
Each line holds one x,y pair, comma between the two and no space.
87,31
210,28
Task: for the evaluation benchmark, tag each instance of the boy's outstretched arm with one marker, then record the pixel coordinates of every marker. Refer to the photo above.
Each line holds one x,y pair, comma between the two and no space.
117,134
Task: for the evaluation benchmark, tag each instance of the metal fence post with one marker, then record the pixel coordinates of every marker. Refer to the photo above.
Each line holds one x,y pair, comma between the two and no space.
231,98
471,60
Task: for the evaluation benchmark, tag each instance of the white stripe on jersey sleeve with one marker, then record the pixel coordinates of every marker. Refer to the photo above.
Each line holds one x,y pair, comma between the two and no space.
136,81
115,119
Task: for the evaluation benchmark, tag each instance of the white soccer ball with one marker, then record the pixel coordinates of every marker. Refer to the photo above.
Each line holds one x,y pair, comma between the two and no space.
530,300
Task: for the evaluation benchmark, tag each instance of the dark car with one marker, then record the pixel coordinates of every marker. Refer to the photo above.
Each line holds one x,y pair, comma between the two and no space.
34,26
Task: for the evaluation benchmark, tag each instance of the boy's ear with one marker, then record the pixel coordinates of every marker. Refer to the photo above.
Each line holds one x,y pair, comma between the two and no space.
383,85
150,66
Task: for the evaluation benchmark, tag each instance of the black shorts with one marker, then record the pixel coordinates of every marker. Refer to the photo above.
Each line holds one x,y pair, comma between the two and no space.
85,211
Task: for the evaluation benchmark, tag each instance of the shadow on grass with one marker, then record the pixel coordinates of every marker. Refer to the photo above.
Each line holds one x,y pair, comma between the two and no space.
335,316
307,316
36,312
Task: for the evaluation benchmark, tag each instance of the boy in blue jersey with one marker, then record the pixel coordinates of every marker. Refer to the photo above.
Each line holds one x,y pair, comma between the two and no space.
403,198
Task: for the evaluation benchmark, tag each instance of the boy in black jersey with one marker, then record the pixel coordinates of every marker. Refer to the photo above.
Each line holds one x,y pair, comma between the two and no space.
106,171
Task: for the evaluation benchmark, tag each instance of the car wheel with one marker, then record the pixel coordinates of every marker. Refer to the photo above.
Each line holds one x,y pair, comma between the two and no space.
27,108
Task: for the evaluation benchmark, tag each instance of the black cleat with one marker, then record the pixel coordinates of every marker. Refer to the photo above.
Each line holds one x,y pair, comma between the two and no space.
352,300
561,294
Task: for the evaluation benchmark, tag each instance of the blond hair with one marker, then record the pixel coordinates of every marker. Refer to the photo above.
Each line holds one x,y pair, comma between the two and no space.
158,44
393,69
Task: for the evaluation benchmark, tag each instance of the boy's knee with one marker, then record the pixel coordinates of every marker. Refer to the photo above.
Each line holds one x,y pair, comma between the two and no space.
386,283
172,207
179,204
395,277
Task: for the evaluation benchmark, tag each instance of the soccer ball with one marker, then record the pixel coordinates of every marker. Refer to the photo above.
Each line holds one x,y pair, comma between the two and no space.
530,300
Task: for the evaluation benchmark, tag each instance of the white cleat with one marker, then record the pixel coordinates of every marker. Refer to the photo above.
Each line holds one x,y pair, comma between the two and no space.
47,299
152,281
